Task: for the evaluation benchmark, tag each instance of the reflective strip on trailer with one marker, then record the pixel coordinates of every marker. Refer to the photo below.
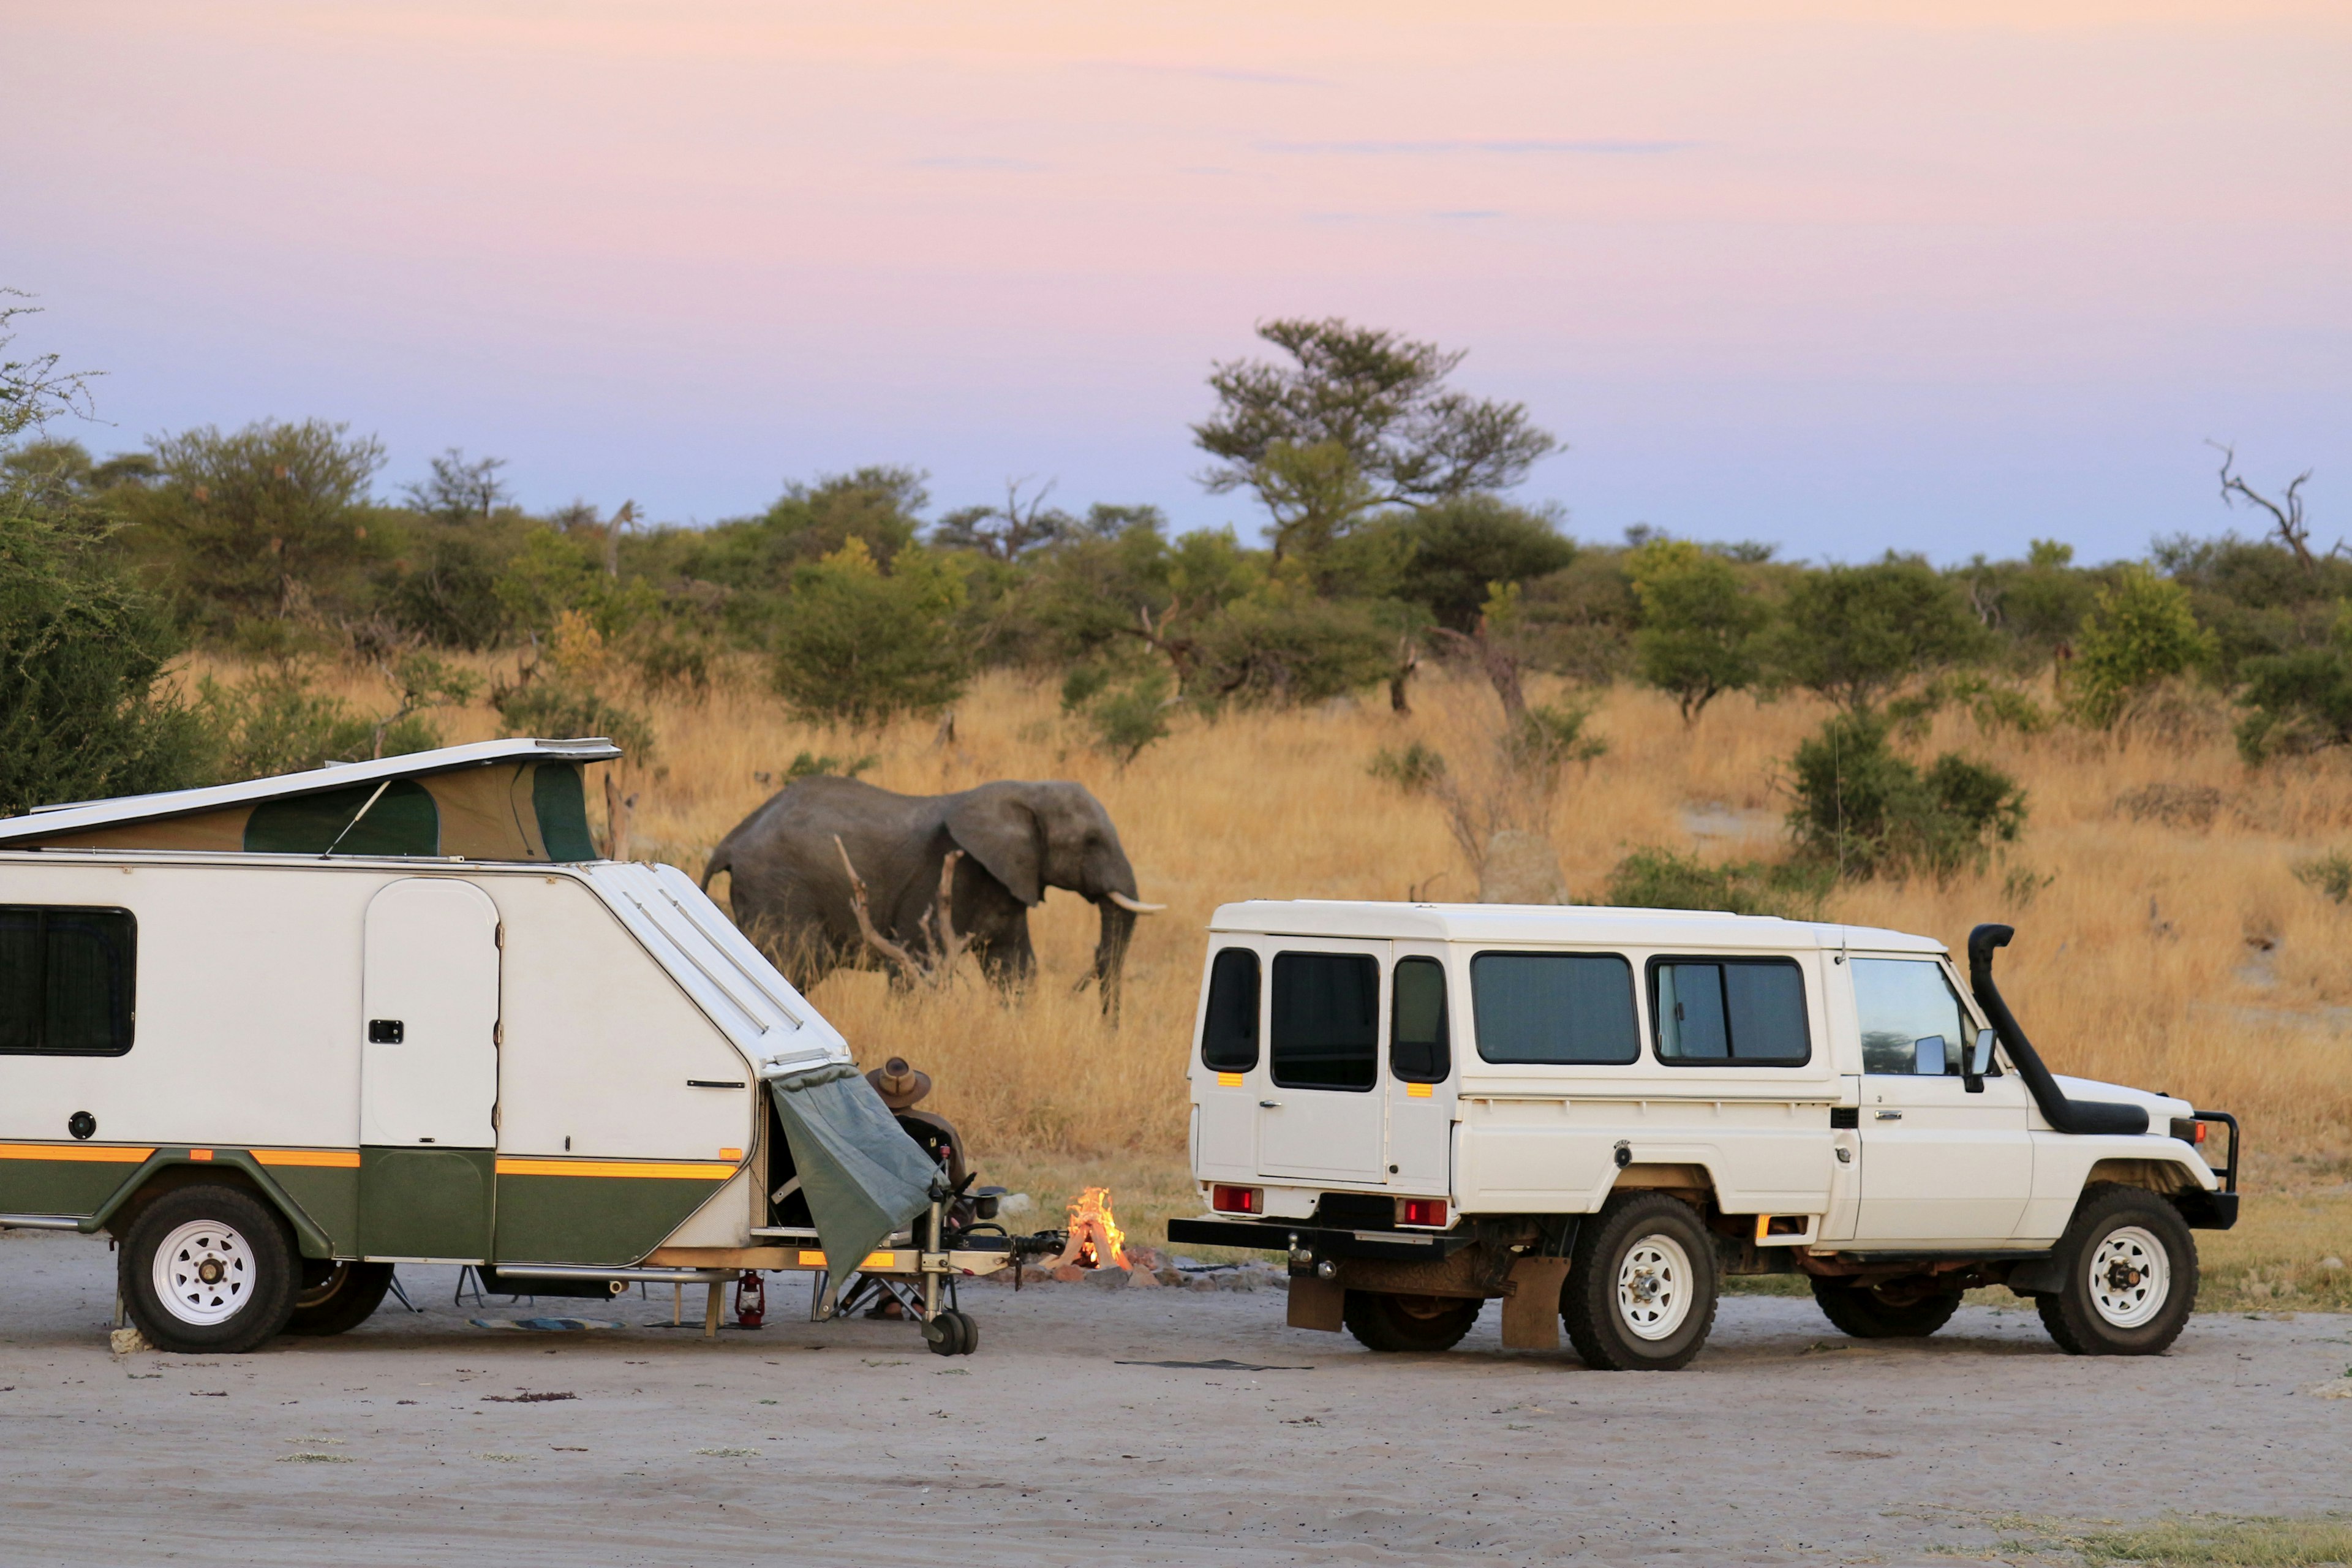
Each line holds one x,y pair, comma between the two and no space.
95,1153
668,1170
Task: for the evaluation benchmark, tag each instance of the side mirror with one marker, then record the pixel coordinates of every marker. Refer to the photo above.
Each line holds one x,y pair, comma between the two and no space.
1979,1062
1927,1056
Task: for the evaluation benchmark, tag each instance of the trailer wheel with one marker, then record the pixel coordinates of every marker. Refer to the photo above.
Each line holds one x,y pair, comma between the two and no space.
1382,1321
952,1334
208,1268
1886,1311
1641,1289
2130,1276
346,1297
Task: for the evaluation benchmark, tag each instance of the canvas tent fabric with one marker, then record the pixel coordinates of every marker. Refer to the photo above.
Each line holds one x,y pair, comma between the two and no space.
494,800
864,1177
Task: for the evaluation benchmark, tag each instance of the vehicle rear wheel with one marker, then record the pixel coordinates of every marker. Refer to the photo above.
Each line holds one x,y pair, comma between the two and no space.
2130,1272
1382,1321
1893,1310
1641,1289
345,1296
208,1268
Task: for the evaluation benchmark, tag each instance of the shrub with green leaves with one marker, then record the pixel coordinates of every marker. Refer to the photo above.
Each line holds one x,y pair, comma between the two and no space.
1865,811
2298,701
860,646
1659,878
2140,630
1854,634
1698,635
1268,650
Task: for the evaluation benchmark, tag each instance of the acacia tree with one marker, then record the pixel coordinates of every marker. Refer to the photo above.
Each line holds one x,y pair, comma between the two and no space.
1854,634
1698,635
1358,418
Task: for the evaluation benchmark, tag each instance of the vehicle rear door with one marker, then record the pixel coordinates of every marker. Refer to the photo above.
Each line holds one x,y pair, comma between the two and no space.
1938,1164
1228,1070
1321,1115
1419,1087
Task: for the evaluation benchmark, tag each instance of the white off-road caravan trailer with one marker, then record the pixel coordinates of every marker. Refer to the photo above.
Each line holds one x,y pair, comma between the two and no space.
1592,1113
275,1038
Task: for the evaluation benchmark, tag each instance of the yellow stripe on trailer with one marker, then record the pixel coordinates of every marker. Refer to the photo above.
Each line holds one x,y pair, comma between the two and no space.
879,1262
661,1170
327,1159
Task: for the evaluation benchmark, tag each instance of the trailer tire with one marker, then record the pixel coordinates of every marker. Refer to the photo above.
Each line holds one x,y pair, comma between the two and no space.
1863,1311
2129,1267
1385,1321
345,1298
209,1269
1641,1289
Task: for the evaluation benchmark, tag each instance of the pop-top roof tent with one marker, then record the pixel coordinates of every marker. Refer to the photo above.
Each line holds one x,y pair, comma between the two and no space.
495,800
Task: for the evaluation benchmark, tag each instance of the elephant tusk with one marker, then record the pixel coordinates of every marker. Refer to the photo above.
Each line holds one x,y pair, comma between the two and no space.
1133,905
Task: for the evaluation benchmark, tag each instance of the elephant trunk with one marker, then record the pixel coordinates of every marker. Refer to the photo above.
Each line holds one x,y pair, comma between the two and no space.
1110,952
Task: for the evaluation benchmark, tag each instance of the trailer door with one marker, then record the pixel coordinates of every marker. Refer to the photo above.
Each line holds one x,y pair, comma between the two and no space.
428,1069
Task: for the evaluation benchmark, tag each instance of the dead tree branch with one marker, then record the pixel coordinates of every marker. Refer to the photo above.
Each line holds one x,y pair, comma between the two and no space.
2286,513
909,966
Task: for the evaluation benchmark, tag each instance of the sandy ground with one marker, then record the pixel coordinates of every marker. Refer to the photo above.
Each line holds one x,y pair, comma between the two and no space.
847,1443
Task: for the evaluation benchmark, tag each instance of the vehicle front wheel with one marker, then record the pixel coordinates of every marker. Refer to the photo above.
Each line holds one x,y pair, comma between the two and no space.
1893,1310
344,1296
1382,1321
208,1270
1641,1289
2130,1276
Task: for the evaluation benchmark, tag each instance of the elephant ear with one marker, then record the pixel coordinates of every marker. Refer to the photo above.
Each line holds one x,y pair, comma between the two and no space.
1003,835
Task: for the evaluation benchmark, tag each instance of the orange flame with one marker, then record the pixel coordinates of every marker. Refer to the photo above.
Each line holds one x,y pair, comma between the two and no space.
1096,1240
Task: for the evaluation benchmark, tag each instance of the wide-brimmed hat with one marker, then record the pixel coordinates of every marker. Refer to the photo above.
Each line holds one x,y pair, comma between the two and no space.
898,1085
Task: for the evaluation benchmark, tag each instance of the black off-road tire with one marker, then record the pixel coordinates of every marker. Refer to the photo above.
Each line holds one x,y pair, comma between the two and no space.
1382,1321
345,1298
2118,1232
1866,1312
232,1260
1626,1243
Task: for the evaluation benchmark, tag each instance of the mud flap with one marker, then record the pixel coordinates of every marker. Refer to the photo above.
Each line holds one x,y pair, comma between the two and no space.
1317,1303
1531,1304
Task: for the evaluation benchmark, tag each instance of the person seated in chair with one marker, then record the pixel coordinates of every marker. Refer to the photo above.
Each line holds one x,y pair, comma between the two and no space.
900,1086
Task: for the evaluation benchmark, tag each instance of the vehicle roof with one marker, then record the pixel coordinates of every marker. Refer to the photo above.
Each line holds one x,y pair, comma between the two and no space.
48,821
1580,924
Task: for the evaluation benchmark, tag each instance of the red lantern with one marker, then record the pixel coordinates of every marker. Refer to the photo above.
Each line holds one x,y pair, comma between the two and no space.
750,1298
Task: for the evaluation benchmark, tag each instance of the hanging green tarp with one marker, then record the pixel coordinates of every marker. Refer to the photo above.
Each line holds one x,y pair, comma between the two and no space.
864,1177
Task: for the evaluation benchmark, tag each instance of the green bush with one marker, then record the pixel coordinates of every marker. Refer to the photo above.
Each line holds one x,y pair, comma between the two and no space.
1865,811
2300,701
2330,874
2139,631
1659,878
82,651
1269,650
1699,632
1855,633
1416,770
859,646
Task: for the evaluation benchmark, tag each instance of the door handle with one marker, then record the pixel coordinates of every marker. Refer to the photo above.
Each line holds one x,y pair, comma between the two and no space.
713,1083
1269,1104
1889,1115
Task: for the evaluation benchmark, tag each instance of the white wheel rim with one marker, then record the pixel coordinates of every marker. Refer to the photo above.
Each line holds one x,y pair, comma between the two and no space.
205,1273
2130,1277
1654,1286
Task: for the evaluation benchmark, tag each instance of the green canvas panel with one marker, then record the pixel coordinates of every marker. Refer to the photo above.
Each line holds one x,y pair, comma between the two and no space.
591,1219
403,822
863,1175
60,1187
561,806
426,1202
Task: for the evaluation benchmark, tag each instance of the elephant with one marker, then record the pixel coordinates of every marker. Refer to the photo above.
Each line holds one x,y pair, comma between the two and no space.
790,864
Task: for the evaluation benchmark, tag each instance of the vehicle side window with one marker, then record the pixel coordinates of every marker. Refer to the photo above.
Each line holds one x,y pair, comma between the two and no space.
1737,1012
68,977
1229,1032
1556,1008
1326,1020
1419,1051
1902,1001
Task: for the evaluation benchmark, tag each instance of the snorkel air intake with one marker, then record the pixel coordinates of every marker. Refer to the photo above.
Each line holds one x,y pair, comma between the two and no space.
2066,1115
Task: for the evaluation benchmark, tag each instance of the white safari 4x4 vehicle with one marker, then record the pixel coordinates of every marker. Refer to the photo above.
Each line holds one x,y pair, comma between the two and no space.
1593,1113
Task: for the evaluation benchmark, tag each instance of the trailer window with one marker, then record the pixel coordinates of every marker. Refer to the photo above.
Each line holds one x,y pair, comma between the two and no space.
1326,1020
1419,1051
1229,1029
1739,1012
67,978
394,818
1570,1009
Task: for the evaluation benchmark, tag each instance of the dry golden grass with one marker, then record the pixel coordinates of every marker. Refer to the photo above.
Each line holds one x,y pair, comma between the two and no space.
2176,956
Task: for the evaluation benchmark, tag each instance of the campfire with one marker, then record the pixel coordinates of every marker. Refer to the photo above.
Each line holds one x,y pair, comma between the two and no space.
1095,1241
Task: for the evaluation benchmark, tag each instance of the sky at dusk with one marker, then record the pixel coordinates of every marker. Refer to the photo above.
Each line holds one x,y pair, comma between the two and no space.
1847,277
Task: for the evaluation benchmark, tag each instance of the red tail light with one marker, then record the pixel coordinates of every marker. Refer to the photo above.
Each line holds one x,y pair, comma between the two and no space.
1427,1212
1234,1200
